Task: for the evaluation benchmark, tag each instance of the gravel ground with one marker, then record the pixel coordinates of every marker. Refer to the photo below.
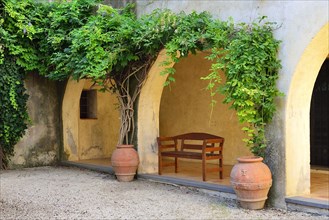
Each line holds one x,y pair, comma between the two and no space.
72,193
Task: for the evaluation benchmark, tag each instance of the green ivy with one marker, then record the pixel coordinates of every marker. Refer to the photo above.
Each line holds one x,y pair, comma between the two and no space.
13,117
251,67
115,49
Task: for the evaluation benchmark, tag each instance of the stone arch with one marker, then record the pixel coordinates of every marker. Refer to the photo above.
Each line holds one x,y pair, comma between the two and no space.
297,128
185,107
88,138
148,116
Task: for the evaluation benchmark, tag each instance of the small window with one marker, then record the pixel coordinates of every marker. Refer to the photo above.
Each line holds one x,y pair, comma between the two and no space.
88,104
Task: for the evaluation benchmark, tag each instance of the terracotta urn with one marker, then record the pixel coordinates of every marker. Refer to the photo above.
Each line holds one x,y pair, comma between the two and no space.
251,180
125,162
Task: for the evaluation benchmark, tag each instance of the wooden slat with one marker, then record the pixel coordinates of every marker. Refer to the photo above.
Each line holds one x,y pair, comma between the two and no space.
210,149
182,154
213,141
213,169
213,157
192,146
168,164
167,146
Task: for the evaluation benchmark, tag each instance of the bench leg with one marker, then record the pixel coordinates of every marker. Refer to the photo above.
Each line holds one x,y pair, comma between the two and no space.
220,168
176,164
203,169
160,164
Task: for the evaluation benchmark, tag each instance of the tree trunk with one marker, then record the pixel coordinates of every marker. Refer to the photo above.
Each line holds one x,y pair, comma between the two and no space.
128,91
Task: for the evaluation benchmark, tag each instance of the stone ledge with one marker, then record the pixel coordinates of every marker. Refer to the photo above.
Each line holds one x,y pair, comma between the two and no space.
189,183
99,168
304,204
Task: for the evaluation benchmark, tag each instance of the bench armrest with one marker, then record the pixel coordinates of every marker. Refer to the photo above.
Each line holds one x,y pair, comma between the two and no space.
211,145
166,143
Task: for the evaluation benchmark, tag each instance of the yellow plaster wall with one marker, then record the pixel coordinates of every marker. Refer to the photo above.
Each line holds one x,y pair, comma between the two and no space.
88,138
185,107
98,137
148,116
70,115
298,113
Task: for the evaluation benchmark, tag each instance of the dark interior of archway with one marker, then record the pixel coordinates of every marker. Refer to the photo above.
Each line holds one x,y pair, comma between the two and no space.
319,129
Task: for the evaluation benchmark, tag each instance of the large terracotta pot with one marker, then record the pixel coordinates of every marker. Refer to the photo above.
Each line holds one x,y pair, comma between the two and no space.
125,161
251,180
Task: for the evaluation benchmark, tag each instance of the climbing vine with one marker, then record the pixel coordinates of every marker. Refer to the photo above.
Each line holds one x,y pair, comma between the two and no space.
13,117
115,49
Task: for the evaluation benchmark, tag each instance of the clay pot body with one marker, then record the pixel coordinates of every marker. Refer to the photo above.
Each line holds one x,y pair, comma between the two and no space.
125,161
251,180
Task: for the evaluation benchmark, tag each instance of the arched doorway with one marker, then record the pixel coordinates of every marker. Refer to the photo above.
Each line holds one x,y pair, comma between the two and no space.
186,107
156,113
297,121
319,135
320,120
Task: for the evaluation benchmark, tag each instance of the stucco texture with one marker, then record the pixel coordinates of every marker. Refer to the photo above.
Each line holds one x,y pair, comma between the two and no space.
186,107
40,144
89,138
302,26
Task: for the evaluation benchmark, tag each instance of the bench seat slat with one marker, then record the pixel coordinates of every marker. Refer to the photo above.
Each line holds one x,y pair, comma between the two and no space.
186,154
182,154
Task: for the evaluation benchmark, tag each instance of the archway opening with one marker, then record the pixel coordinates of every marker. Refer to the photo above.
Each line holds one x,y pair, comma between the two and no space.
90,123
297,122
319,129
319,134
184,107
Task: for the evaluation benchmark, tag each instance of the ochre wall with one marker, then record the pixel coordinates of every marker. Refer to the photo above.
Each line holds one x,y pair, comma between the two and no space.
185,107
98,137
303,49
298,113
89,138
148,116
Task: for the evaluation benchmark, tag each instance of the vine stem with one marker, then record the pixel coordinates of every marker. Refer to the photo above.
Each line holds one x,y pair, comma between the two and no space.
127,95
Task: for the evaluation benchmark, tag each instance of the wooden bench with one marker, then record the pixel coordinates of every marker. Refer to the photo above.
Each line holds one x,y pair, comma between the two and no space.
200,146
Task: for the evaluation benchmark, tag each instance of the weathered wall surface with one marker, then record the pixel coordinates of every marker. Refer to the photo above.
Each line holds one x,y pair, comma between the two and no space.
40,145
98,137
89,138
299,23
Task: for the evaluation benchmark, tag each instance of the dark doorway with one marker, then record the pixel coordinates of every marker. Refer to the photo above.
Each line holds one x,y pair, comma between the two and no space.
320,118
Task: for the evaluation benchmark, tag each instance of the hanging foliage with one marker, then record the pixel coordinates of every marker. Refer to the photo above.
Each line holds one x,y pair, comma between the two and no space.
115,49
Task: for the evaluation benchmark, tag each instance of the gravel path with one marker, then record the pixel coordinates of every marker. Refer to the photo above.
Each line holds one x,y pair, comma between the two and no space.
72,193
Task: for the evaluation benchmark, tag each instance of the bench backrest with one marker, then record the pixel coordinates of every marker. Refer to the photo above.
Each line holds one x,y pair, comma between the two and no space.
195,141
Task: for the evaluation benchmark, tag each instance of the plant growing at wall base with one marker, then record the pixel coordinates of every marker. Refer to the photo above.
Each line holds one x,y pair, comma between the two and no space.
13,117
